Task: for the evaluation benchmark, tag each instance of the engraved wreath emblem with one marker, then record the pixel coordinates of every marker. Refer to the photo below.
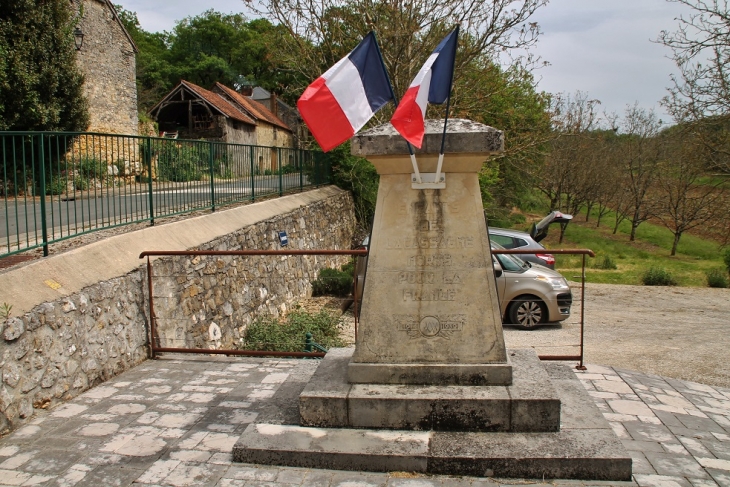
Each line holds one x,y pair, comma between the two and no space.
443,326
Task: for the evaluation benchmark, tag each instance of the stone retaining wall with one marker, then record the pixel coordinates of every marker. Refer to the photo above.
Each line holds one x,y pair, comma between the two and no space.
59,349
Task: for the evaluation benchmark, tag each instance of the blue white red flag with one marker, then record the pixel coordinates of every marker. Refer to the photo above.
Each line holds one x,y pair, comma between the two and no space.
338,103
432,84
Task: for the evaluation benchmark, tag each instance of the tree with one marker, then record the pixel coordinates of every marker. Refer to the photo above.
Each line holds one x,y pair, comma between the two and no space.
640,153
685,202
41,87
320,32
505,98
210,47
563,175
154,72
701,92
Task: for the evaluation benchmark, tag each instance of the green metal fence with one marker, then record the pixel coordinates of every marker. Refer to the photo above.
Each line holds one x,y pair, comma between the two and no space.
57,185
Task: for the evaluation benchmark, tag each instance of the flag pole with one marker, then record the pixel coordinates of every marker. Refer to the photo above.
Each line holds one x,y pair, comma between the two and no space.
446,116
395,102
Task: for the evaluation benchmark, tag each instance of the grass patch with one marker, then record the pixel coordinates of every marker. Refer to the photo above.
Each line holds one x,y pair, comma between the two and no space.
695,256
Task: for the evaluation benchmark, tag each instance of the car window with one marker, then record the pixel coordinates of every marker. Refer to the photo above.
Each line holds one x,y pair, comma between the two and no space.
503,240
520,242
510,263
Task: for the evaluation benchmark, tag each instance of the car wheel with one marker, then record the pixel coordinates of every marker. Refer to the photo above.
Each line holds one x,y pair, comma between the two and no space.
527,312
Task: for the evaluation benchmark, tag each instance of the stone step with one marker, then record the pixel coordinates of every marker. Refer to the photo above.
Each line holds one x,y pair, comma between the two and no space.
594,454
530,403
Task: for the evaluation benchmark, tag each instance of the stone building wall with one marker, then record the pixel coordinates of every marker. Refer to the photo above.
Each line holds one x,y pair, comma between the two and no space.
271,136
60,349
107,60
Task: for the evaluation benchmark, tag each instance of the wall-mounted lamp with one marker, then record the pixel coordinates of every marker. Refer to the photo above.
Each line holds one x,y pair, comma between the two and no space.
78,38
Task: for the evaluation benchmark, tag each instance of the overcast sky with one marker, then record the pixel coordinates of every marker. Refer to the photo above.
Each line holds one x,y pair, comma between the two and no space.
601,47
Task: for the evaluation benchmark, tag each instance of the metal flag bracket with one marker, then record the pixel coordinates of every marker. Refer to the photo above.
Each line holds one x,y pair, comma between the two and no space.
428,180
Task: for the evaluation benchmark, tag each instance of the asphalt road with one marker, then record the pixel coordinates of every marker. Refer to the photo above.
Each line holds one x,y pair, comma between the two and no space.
96,208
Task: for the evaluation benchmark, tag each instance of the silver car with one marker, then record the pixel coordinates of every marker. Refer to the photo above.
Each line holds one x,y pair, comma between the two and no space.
530,294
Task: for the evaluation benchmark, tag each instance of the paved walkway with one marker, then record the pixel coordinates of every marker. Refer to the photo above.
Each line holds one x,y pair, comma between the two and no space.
173,422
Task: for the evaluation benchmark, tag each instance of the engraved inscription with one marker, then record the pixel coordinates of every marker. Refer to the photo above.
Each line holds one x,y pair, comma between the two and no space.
436,260
426,242
416,277
430,326
451,278
442,294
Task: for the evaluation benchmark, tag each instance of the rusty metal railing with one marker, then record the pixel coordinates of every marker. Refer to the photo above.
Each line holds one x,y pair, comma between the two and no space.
583,253
360,252
154,348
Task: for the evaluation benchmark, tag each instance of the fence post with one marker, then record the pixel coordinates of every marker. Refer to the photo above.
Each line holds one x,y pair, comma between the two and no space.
212,173
300,165
44,225
148,162
253,176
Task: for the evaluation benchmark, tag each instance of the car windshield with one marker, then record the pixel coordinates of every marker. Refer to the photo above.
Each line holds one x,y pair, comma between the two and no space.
510,263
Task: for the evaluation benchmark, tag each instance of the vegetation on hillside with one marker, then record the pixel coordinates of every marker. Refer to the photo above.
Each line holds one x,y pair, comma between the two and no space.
40,84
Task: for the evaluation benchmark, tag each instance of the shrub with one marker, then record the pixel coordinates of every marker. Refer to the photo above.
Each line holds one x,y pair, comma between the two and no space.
81,183
658,277
726,258
182,163
517,219
57,185
607,263
274,334
332,282
92,168
717,278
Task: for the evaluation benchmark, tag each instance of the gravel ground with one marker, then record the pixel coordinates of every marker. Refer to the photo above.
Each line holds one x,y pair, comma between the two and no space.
676,332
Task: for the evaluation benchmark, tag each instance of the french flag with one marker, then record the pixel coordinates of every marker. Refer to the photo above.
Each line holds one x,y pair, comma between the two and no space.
432,84
338,103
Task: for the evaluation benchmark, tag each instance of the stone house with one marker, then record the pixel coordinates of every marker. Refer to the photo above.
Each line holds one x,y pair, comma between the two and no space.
107,60
221,114
288,114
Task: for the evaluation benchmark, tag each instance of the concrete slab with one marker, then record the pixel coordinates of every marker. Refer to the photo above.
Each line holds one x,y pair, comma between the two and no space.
594,454
323,402
115,256
341,449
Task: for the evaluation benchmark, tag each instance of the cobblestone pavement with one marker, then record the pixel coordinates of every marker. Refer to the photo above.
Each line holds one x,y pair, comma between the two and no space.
173,422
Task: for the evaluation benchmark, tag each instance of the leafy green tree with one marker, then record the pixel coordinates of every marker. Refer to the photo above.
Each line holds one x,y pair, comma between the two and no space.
154,72
210,47
41,88
507,99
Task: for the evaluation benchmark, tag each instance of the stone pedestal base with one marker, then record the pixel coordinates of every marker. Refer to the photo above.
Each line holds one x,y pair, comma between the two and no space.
505,444
530,403
423,374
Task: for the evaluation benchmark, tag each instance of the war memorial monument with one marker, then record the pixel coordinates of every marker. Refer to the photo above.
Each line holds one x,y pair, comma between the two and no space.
430,386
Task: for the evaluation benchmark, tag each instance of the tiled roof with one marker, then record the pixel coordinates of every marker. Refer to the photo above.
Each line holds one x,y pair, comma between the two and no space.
220,103
254,108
